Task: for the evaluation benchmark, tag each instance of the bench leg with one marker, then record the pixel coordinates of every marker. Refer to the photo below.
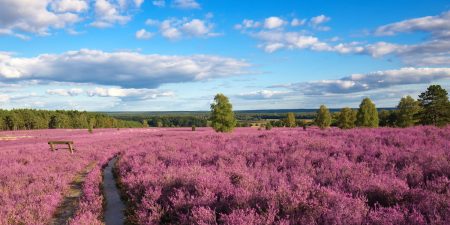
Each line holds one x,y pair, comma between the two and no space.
71,148
51,146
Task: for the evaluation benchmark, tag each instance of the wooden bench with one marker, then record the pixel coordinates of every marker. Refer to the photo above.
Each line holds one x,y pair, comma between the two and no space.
69,143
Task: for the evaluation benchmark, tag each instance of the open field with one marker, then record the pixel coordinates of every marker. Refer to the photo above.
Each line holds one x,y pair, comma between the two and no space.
281,176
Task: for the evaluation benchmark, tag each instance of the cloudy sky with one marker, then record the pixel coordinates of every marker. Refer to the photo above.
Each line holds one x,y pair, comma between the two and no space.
153,55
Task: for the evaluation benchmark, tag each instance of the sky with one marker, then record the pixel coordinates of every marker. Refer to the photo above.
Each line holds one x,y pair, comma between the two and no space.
175,55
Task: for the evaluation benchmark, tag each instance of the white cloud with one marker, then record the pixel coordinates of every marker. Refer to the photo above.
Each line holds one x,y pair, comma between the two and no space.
273,22
437,25
247,24
107,14
65,92
143,34
70,6
159,3
319,20
130,94
175,29
186,4
197,28
124,69
316,22
371,81
138,3
32,17
263,94
296,22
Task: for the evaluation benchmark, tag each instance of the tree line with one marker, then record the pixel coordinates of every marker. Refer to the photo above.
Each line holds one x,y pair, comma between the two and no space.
28,119
431,108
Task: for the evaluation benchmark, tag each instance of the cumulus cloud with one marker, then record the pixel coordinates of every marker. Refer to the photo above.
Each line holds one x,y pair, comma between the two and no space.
317,20
174,29
246,24
130,94
263,94
371,81
143,34
186,4
434,51
297,22
65,92
107,14
33,17
124,69
273,22
275,40
70,6
436,25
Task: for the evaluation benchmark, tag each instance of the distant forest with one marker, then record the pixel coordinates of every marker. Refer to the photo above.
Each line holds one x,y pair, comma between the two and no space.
28,119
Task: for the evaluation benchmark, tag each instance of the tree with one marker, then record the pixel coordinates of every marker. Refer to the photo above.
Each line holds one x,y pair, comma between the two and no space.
407,109
323,118
222,115
290,120
347,118
269,126
367,115
387,118
145,123
436,107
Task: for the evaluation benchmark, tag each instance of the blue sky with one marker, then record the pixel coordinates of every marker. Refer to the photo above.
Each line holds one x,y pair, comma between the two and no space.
153,55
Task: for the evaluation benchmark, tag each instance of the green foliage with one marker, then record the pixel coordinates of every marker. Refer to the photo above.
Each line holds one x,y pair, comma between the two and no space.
367,115
91,125
347,118
407,110
144,123
222,115
387,118
290,120
269,126
436,106
193,128
323,119
27,119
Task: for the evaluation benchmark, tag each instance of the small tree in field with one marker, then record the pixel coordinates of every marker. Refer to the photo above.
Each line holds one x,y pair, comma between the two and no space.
347,118
407,109
222,115
290,120
269,126
145,124
367,115
436,106
91,123
323,118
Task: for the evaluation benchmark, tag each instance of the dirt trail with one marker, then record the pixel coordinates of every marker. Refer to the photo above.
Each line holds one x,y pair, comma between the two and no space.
71,198
114,211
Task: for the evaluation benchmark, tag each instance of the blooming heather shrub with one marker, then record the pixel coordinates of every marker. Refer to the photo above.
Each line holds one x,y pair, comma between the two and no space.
281,176
33,179
90,208
288,176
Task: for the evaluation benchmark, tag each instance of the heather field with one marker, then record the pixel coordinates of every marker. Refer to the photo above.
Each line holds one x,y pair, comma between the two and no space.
281,176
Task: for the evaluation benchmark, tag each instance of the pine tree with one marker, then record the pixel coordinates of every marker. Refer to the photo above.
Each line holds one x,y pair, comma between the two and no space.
347,118
222,115
407,109
290,120
367,115
436,106
323,118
